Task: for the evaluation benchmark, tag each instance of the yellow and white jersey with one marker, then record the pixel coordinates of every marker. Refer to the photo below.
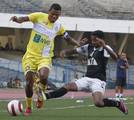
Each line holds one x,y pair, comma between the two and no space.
41,41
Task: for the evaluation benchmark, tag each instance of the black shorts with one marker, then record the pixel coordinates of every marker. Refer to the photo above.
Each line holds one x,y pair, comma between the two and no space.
121,82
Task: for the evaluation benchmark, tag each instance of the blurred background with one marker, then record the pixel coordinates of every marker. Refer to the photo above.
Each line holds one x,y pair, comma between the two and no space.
80,18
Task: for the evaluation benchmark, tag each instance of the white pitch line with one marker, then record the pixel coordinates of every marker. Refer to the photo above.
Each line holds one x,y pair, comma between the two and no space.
57,108
67,107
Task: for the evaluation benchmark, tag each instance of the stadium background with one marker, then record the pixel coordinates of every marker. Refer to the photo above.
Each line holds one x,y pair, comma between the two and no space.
80,17
120,38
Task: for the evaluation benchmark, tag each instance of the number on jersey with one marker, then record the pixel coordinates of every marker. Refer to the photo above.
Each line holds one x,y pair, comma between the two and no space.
92,61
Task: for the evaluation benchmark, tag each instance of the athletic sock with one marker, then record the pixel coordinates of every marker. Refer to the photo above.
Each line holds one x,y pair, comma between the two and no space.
121,95
57,93
117,95
28,102
43,87
110,103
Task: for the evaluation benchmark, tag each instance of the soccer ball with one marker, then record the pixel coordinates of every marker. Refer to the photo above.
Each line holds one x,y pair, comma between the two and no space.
15,107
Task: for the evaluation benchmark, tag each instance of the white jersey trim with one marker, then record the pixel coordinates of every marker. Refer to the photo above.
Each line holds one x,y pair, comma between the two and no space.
83,50
51,33
106,54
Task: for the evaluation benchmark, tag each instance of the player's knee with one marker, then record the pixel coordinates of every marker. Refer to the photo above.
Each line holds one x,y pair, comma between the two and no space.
29,75
29,79
43,79
98,104
71,87
43,74
67,87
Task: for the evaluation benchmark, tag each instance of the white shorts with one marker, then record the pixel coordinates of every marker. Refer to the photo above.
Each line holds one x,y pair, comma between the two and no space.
91,85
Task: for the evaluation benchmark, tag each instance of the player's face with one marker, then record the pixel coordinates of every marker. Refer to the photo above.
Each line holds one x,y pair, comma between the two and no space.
123,55
53,15
95,43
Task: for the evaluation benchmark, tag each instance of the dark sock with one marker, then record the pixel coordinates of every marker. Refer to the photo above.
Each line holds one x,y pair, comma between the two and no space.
57,93
110,103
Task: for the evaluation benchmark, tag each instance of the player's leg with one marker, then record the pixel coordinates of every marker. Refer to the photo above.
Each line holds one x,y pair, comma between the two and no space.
99,101
98,89
123,84
117,88
43,75
61,91
28,68
79,85
29,90
44,67
121,91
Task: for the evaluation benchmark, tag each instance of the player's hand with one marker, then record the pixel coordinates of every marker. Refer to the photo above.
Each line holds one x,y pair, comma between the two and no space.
62,54
101,42
83,41
14,19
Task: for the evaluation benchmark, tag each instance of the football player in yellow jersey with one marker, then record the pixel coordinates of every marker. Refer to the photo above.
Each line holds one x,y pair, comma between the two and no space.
38,57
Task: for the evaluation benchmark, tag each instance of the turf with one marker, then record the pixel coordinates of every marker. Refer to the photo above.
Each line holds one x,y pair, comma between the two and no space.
69,109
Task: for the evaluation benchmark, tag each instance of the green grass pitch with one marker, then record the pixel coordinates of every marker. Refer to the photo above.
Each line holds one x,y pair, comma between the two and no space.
69,109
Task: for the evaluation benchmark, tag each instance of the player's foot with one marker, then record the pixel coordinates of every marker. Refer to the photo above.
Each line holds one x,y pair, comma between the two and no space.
122,107
28,111
39,103
40,100
41,95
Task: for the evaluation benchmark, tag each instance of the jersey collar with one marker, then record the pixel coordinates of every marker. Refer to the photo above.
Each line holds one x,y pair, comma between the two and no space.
99,49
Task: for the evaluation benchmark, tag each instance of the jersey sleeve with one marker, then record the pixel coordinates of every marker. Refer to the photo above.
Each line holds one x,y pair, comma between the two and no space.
83,50
34,16
106,54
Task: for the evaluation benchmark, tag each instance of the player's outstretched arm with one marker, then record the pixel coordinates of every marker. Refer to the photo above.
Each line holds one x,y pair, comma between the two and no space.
67,52
19,19
70,40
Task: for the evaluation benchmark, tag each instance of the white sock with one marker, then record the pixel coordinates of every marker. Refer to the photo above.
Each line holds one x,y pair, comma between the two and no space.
117,94
121,95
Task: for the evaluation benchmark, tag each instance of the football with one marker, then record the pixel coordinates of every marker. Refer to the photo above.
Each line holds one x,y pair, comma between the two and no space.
15,107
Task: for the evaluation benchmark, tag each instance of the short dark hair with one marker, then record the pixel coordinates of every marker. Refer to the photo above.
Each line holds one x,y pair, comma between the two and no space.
98,33
55,6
